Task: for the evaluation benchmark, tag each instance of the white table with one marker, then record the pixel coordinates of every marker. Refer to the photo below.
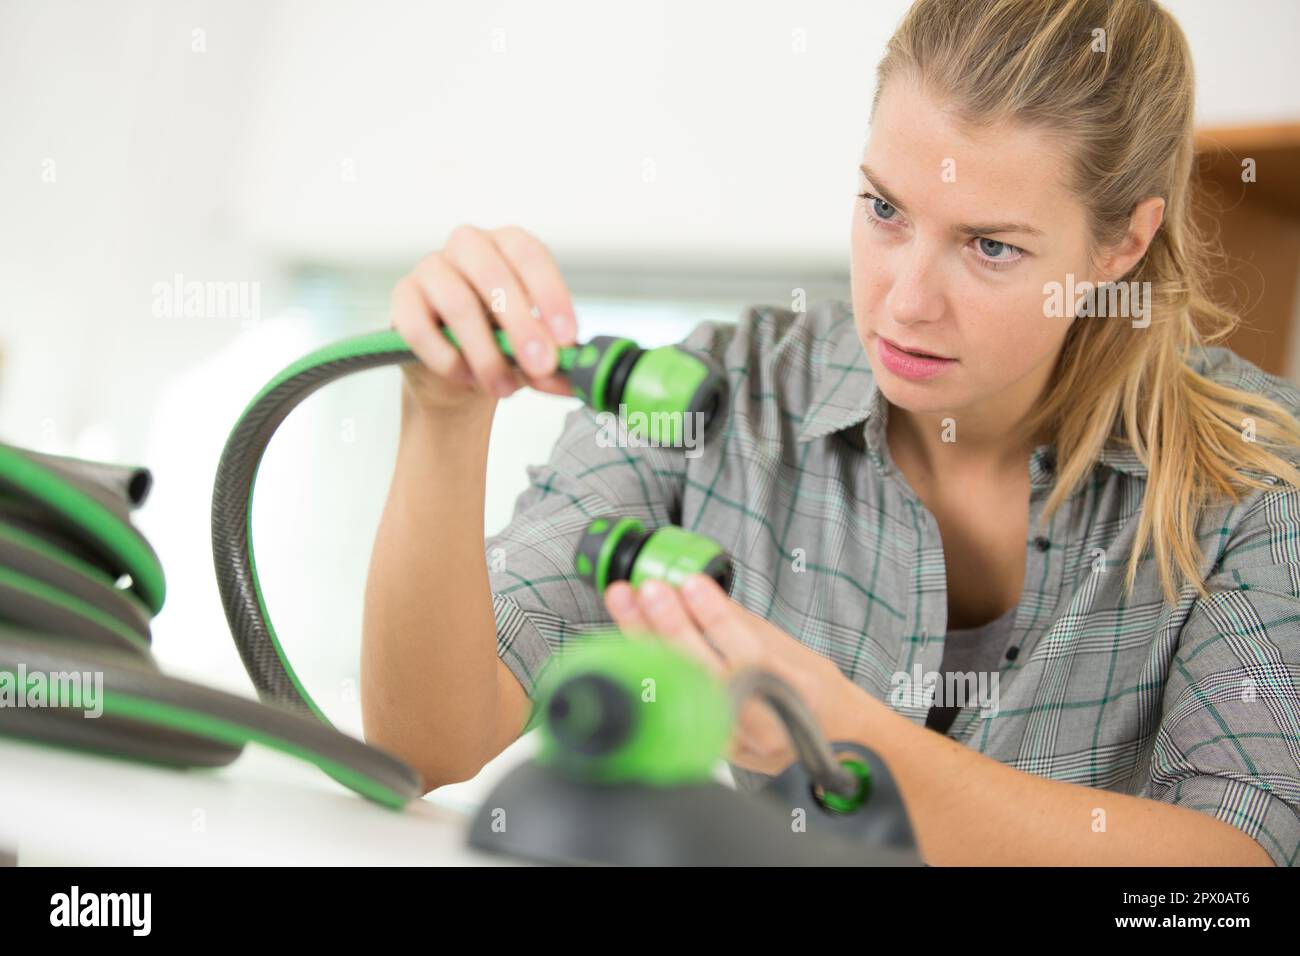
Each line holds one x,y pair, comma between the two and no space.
60,807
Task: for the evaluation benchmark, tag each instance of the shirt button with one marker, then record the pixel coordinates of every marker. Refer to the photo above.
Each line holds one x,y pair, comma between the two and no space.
1041,543
1013,653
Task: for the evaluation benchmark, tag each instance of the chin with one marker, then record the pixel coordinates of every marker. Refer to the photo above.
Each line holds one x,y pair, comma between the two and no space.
929,403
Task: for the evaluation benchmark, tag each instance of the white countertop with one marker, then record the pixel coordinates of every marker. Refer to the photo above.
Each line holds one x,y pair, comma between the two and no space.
61,807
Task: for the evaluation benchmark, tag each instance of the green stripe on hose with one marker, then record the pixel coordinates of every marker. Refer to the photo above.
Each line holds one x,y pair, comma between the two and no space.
74,564
233,732
99,524
58,555
236,563
266,615
370,343
74,605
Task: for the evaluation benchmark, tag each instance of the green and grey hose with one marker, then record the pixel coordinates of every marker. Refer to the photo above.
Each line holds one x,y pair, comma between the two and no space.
79,588
606,372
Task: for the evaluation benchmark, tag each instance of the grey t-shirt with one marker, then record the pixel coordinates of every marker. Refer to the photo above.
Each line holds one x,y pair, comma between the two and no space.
970,650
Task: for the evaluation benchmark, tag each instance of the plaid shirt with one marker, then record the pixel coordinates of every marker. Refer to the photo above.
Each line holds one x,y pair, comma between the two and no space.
1195,704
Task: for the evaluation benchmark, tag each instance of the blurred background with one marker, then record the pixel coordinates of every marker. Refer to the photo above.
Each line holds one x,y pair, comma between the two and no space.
682,161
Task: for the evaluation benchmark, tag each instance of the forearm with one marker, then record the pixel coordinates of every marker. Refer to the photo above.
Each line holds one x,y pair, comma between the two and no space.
428,670
969,809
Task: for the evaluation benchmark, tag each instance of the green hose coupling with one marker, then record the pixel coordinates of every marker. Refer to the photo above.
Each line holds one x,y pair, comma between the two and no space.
620,549
661,386
614,710
848,803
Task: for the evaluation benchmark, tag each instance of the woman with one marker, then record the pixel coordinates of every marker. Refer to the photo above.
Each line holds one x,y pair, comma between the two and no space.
1096,515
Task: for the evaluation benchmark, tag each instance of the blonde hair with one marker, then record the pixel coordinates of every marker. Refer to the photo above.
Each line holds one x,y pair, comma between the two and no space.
1121,101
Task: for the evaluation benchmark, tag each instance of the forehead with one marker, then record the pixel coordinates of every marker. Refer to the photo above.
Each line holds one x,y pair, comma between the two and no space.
947,172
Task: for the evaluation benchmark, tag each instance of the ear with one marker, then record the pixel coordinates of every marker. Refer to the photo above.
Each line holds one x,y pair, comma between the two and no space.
1116,261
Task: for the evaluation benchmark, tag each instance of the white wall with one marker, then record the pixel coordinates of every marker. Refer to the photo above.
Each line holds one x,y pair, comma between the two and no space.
752,114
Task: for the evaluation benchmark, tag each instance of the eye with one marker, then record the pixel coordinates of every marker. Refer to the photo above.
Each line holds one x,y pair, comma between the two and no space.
996,255
881,211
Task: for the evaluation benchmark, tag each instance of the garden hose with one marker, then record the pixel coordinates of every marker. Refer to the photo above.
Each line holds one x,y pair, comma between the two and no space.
79,588
606,373
845,782
79,584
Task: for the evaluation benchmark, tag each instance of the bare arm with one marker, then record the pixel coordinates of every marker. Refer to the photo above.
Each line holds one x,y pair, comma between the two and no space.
970,810
433,690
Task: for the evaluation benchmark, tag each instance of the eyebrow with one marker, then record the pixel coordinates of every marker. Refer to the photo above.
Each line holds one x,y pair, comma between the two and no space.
976,229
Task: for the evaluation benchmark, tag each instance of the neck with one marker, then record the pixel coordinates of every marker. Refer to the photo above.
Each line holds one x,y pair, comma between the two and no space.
990,436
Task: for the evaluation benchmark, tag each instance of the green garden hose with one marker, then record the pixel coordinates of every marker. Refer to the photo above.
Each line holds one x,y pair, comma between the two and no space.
606,372
79,584
79,587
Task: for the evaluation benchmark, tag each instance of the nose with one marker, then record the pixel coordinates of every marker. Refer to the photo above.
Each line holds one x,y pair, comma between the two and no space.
916,294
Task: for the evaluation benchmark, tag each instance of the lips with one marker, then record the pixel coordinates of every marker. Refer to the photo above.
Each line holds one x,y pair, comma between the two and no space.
922,353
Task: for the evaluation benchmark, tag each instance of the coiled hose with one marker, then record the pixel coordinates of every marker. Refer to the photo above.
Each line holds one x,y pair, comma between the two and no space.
79,588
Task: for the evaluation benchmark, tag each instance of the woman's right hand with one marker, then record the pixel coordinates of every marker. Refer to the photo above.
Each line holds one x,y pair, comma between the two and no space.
481,280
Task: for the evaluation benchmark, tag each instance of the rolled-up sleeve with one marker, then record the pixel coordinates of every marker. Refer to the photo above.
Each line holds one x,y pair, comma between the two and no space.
540,602
1229,739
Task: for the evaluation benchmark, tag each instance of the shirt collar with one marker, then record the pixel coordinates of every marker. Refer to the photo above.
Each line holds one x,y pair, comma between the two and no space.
846,395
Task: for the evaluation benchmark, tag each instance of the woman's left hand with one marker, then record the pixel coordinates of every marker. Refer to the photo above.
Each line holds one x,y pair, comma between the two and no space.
702,621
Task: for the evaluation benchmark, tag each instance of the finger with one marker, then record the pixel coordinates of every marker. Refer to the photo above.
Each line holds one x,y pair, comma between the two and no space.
761,736
620,601
625,608
667,615
477,256
729,626
541,279
457,304
553,385
740,753
414,320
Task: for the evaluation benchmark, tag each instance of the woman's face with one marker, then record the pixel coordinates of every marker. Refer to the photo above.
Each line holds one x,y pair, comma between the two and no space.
952,247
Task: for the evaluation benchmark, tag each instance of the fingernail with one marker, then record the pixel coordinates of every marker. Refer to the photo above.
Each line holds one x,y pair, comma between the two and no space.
562,326
654,592
535,355
694,588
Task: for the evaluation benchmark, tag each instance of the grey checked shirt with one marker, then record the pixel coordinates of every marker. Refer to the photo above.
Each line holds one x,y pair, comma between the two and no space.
1195,704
